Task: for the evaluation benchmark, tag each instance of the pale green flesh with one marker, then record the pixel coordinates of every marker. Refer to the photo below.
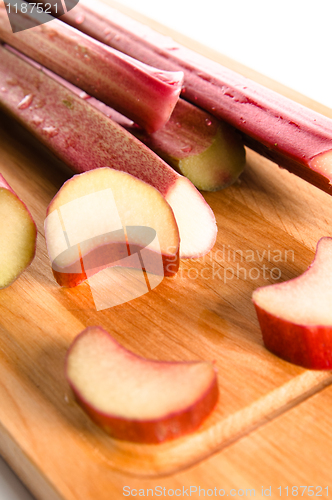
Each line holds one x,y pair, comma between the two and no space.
17,237
116,382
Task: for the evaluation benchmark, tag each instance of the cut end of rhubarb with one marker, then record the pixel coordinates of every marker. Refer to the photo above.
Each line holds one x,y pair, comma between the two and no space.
101,218
18,237
219,165
322,164
296,316
195,219
134,398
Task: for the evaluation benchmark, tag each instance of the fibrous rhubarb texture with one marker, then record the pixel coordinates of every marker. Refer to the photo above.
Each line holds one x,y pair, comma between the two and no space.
105,218
296,316
145,94
18,235
138,399
84,139
287,133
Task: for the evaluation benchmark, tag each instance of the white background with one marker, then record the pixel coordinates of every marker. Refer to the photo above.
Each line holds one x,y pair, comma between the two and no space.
287,40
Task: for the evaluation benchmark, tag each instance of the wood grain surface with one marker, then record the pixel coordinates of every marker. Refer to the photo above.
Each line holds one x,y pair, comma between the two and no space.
290,451
269,223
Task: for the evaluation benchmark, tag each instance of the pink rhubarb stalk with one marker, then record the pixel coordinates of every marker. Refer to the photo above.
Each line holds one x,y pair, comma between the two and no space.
18,235
143,93
210,153
285,132
84,139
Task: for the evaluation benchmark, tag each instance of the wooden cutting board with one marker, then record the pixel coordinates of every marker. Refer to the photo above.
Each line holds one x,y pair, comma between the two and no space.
269,218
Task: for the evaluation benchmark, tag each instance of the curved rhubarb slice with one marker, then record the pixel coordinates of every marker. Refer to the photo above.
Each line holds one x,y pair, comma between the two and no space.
296,316
99,218
84,139
285,132
18,235
137,399
210,153
143,93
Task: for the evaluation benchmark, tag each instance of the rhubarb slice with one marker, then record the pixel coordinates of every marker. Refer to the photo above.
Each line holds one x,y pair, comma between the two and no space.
296,316
138,399
104,217
145,94
18,235
285,132
84,139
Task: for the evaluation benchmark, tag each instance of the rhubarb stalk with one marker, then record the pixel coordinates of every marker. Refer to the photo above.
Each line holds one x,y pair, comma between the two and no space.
285,132
84,139
145,94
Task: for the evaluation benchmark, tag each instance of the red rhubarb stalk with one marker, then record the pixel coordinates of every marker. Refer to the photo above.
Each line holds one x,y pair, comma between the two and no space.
207,151
286,132
18,235
84,139
210,153
145,94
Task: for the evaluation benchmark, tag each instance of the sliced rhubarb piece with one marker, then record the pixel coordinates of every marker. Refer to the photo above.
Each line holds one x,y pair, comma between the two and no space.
91,221
18,235
296,316
276,127
84,139
134,398
145,94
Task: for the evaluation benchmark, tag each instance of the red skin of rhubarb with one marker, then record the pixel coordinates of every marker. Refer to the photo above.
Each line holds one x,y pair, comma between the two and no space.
4,184
170,427
189,132
309,346
149,431
84,138
274,126
170,139
145,94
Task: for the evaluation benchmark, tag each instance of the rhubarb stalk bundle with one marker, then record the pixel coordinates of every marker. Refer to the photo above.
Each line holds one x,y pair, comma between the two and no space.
145,94
289,134
84,139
